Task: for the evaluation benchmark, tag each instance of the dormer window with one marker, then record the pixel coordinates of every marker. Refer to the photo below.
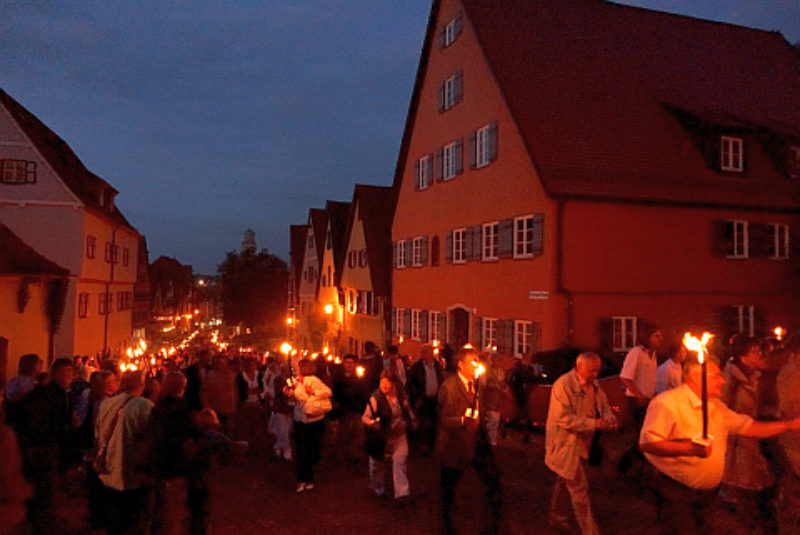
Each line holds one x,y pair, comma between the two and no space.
101,197
794,162
731,157
17,172
450,32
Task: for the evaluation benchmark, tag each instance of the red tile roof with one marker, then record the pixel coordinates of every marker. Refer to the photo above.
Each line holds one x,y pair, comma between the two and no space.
375,206
83,183
337,215
18,258
587,82
318,220
297,238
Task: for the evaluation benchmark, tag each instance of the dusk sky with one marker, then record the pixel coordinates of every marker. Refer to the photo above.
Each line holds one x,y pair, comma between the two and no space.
212,117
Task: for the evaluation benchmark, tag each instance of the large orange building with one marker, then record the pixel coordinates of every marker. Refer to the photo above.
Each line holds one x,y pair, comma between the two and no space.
569,167
67,214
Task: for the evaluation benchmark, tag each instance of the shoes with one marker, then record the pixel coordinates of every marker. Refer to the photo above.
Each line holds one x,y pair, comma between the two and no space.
309,486
300,488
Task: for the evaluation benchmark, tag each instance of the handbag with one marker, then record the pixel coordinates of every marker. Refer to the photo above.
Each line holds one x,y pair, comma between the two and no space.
99,461
374,443
318,406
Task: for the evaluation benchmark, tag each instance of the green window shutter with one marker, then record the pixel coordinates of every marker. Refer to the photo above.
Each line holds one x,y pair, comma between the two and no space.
538,233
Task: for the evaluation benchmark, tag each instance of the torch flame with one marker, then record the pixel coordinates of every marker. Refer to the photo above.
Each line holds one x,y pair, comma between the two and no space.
779,332
360,371
480,369
699,345
286,348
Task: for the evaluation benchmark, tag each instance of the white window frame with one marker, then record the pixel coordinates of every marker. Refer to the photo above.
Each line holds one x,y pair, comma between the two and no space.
401,254
623,332
351,301
523,239
449,161
522,330
449,92
780,241
746,319
482,136
434,327
423,172
459,245
489,334
739,246
450,34
415,317
416,251
399,326
731,153
490,241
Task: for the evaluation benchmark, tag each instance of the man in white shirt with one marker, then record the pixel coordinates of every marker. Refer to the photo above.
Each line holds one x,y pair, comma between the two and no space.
424,378
670,373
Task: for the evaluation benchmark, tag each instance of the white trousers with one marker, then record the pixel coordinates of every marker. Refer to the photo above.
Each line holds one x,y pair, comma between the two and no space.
397,455
280,425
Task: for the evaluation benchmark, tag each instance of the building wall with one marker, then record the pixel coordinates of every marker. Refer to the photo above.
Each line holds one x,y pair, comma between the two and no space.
506,188
308,313
26,332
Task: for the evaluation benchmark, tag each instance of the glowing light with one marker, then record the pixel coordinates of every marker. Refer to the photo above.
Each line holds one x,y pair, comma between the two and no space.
436,351
152,361
779,332
435,343
314,356
328,308
326,350
286,348
480,369
122,366
289,321
699,345
360,371
129,352
337,360
468,346
400,339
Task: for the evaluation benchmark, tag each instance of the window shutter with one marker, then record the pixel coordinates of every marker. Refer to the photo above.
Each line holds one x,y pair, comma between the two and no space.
458,88
428,174
435,251
720,238
394,254
424,250
477,333
505,336
538,233
505,238
441,96
472,147
423,325
406,322
468,243
408,252
417,185
443,326
761,238
477,242
459,166
457,26
794,242
493,141
30,172
438,165
442,37
394,322
448,254
536,337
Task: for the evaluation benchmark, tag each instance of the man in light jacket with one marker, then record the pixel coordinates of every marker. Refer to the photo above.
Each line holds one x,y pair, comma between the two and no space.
578,408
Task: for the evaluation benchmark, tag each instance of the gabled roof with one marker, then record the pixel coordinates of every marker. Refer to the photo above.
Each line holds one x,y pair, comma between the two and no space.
318,219
18,258
82,182
591,84
337,218
375,206
297,245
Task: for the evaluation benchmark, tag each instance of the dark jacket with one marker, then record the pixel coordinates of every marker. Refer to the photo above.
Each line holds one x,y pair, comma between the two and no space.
416,379
193,383
170,443
349,395
456,444
383,409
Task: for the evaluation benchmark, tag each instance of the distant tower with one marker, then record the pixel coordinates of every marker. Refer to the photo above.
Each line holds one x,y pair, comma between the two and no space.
249,241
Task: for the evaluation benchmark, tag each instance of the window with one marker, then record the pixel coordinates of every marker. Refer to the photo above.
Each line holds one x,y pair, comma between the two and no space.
351,301
491,233
422,172
18,172
450,91
459,245
489,334
401,254
745,319
126,254
111,253
366,302
104,303
400,327
417,255
415,330
83,305
124,300
328,240
362,258
624,332
310,242
779,242
483,145
794,162
523,337
451,160
736,234
351,259
523,237
450,32
91,243
434,325
731,154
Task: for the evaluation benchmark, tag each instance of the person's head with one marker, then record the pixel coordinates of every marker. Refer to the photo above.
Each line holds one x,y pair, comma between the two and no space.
249,364
677,352
369,348
649,335
29,364
62,372
466,360
173,386
426,353
747,350
306,367
220,363
98,384
693,376
392,352
387,385
152,389
587,365
203,357
132,382
349,363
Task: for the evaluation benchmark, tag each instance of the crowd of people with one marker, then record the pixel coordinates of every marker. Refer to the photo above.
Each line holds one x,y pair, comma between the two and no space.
145,442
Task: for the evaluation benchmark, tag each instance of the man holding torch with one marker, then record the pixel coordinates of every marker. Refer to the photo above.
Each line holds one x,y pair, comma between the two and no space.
687,469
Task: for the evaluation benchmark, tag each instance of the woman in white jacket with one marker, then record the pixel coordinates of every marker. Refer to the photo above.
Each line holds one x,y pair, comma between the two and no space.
312,401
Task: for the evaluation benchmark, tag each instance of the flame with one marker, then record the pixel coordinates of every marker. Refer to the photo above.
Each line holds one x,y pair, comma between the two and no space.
468,346
328,308
286,348
360,371
699,345
435,343
143,344
325,350
337,360
289,321
779,332
400,340
480,369
129,352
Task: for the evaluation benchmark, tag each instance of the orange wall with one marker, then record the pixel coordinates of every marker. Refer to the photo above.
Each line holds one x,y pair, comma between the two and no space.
25,332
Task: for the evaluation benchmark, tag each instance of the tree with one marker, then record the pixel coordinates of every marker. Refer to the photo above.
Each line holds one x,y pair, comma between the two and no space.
253,290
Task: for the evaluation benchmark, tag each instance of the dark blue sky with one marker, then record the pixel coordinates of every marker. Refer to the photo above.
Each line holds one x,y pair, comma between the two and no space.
212,117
